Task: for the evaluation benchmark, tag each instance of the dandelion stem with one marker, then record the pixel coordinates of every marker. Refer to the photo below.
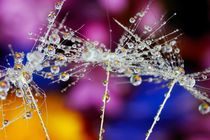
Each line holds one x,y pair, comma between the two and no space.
37,109
104,104
157,117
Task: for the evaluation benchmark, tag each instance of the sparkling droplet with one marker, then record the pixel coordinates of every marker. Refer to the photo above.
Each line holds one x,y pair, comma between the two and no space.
3,95
204,76
105,82
106,98
148,28
27,76
140,14
55,69
132,20
54,38
5,122
51,16
18,93
50,50
58,5
135,80
28,115
64,76
204,108
4,85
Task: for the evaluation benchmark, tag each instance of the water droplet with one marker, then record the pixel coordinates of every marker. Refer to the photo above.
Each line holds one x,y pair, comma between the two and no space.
58,5
5,122
148,28
64,76
55,69
28,115
18,93
54,38
106,98
132,20
135,80
51,16
204,108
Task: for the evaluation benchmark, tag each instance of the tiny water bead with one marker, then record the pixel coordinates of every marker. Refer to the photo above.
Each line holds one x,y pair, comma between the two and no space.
28,115
132,20
54,38
58,5
187,81
106,97
204,108
5,122
50,50
51,16
3,95
135,80
4,85
64,76
55,69
27,76
18,93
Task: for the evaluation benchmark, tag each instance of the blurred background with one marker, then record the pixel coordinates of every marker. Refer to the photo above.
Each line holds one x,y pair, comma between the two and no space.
75,115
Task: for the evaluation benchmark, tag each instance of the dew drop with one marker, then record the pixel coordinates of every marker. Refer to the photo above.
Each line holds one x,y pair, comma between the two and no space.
204,108
135,80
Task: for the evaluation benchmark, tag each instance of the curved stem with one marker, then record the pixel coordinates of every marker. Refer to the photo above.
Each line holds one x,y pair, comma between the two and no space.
157,117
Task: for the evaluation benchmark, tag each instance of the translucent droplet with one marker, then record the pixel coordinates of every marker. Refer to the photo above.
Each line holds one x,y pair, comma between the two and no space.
55,69
148,28
51,16
54,38
4,85
58,5
50,50
27,76
204,76
3,95
130,45
28,115
64,76
5,122
132,20
140,14
172,43
18,93
18,66
48,75
135,80
106,98
105,82
204,108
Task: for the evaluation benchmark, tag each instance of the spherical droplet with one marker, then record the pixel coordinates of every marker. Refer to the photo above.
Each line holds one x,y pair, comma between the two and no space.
55,69
106,98
64,76
132,20
5,122
51,16
54,38
18,93
204,108
3,95
135,80
4,85
58,5
28,115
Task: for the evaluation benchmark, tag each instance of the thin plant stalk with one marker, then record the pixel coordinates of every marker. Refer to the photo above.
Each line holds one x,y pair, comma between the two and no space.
105,100
157,117
37,108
